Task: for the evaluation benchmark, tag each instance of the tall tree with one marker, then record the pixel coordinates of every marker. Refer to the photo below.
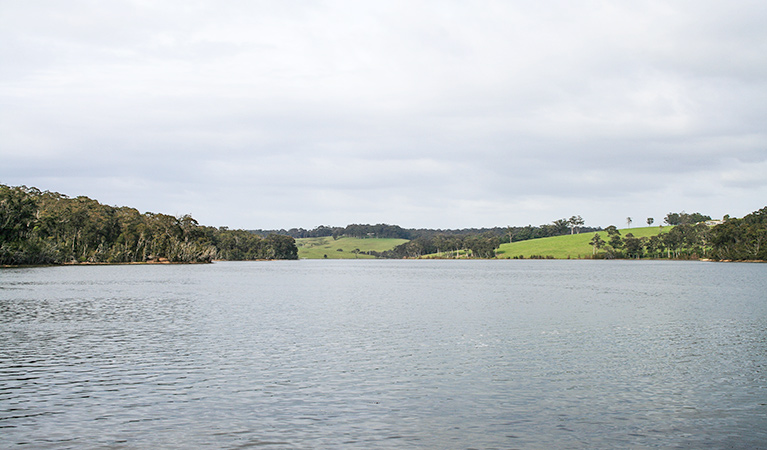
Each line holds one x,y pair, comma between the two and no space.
575,223
615,240
17,213
560,226
633,245
596,243
684,218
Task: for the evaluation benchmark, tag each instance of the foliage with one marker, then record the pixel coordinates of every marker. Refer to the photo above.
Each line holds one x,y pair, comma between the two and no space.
734,239
596,242
483,246
575,223
379,231
448,246
679,242
683,218
50,228
577,246
741,239
634,246
416,243
39,227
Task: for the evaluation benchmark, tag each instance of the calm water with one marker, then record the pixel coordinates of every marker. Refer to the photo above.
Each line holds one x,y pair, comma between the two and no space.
385,354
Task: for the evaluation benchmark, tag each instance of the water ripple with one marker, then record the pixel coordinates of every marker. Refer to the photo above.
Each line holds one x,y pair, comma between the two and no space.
384,354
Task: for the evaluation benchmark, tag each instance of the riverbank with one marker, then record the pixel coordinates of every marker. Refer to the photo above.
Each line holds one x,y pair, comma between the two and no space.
162,261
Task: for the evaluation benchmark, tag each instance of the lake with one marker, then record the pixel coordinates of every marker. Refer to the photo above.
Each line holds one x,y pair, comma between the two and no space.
385,354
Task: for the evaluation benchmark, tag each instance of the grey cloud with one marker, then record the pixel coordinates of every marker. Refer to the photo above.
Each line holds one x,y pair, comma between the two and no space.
414,112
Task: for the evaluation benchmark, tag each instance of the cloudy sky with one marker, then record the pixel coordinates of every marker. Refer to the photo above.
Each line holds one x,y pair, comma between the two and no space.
440,114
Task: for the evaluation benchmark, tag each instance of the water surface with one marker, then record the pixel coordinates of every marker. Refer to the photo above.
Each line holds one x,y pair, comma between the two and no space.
385,354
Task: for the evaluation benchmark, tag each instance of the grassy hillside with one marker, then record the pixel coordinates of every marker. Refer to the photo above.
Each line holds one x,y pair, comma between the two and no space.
342,248
568,246
560,247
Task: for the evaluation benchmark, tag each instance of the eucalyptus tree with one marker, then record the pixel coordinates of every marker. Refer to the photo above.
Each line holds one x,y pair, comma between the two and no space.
483,246
560,226
654,245
575,222
596,243
741,239
17,213
685,218
615,241
634,246
18,207
51,228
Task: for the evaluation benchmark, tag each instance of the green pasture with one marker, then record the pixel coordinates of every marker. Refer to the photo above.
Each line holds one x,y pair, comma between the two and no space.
573,246
343,247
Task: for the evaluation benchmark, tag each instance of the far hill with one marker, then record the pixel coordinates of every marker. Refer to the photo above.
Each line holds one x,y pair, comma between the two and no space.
344,247
573,246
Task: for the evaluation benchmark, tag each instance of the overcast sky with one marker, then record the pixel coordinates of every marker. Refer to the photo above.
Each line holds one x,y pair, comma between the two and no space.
439,114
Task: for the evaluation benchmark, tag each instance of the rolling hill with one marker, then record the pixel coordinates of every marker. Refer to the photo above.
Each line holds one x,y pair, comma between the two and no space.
568,246
343,247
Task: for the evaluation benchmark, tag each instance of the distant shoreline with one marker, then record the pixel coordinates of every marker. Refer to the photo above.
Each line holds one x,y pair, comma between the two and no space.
131,263
152,263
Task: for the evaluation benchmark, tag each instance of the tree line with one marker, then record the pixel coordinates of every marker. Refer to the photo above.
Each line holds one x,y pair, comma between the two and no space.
380,230
481,245
686,241
741,239
691,238
42,227
558,227
683,218
465,242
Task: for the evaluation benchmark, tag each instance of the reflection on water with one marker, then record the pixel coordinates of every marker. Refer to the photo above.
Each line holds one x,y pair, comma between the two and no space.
385,354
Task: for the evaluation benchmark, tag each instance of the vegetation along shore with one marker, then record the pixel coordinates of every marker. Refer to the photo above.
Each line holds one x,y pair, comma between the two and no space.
43,228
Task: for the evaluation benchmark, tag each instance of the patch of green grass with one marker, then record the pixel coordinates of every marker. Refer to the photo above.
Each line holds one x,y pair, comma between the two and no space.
573,246
342,248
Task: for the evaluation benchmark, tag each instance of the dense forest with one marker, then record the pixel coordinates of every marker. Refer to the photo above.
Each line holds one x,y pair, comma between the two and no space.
741,239
42,227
